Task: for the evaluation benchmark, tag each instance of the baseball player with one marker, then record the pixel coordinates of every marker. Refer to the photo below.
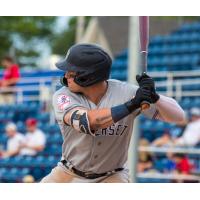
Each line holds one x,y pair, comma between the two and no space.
96,117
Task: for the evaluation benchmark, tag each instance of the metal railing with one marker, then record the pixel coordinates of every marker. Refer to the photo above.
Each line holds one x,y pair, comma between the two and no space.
21,88
169,176
173,84
169,149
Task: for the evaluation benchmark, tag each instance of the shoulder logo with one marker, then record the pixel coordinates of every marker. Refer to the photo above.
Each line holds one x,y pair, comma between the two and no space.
63,101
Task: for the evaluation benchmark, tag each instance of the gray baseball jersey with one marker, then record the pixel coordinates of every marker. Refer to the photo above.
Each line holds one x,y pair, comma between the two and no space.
108,150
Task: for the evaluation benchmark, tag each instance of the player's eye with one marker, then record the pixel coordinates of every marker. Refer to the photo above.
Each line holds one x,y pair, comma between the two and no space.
71,76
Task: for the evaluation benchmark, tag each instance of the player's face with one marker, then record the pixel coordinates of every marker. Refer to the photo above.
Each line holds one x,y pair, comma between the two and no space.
194,118
5,63
10,133
31,129
73,87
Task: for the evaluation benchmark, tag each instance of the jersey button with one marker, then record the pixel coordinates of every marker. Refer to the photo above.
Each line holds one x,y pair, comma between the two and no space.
99,143
96,156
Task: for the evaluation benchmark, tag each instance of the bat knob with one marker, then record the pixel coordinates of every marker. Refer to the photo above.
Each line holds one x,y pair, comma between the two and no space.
145,105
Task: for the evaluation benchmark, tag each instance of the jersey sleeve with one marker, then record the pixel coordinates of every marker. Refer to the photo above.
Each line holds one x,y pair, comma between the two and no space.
151,113
63,102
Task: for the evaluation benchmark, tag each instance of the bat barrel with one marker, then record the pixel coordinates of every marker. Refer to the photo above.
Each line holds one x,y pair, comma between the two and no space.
144,41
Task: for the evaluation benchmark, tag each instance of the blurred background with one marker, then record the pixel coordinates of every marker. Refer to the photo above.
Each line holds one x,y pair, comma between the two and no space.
30,139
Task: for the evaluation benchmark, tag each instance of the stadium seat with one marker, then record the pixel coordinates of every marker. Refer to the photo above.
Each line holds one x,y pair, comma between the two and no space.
16,161
54,149
55,139
14,174
21,127
159,165
3,138
39,161
53,128
43,117
27,161
5,162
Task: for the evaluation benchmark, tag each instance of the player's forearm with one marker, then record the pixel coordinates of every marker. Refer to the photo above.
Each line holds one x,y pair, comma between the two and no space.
10,153
36,148
10,81
169,110
88,121
101,118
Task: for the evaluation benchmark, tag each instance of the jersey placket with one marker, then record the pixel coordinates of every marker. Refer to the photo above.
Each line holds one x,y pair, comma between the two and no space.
94,155
90,164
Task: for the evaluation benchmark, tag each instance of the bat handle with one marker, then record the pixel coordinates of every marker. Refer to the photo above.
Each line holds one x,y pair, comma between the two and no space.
145,105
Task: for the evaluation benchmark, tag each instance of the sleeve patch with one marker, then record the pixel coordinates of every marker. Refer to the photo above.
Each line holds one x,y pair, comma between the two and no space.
63,101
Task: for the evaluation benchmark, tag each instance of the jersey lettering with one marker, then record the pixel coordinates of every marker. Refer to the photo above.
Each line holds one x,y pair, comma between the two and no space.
113,130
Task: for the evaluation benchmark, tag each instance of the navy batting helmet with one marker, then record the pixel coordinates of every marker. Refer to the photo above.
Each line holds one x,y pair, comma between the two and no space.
91,63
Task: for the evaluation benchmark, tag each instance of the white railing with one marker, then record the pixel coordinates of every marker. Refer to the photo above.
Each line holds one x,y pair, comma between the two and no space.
20,89
174,79
169,84
169,149
180,177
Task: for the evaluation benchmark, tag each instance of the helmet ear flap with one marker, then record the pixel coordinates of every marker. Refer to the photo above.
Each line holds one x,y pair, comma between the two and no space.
63,81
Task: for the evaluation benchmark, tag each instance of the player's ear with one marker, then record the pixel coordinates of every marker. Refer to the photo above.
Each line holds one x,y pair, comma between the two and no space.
63,81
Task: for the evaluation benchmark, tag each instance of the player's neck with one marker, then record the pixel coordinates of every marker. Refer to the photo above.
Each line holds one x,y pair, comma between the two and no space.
96,92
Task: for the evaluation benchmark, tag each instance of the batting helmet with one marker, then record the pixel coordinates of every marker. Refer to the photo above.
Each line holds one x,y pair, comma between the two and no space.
90,62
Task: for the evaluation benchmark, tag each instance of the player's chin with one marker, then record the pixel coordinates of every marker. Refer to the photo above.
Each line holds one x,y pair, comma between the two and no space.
74,89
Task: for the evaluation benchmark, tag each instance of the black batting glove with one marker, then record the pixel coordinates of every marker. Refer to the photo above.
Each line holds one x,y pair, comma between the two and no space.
141,95
145,81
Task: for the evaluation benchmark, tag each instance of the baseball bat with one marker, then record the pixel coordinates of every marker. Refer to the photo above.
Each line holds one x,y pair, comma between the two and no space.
144,42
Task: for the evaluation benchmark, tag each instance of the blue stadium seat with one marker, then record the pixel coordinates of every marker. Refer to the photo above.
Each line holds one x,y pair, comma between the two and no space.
38,173
2,117
159,165
43,117
21,127
186,103
47,128
159,125
147,125
54,149
16,161
3,138
157,39
39,161
14,174
27,161
5,162
53,160
195,102
55,139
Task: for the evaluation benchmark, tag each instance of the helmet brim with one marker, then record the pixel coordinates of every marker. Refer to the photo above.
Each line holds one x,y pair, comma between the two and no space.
64,65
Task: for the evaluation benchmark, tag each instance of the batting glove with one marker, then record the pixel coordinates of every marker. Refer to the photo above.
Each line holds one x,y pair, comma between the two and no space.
141,95
145,81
